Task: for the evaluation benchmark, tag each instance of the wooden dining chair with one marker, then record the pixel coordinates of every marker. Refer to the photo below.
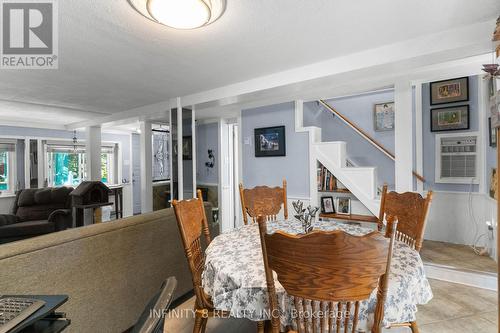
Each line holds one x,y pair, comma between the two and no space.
192,222
263,200
328,274
411,210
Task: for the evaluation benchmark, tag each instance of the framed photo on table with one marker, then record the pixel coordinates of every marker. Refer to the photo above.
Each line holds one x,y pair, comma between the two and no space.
344,205
270,141
327,205
449,91
383,116
451,118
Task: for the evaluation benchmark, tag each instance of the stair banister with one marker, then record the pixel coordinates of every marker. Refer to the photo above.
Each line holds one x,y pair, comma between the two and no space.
365,135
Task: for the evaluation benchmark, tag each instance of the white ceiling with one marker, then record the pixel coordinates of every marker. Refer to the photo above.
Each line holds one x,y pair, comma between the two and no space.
112,59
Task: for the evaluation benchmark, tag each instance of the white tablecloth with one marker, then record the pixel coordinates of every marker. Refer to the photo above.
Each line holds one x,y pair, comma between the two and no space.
234,276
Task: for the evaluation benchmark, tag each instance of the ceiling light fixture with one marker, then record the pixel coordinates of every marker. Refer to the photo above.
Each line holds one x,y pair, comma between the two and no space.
181,14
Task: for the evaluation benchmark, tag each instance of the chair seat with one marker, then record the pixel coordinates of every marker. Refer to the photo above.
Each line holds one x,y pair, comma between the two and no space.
28,228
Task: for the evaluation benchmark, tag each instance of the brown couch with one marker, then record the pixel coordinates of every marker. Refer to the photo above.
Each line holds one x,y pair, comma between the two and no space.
36,212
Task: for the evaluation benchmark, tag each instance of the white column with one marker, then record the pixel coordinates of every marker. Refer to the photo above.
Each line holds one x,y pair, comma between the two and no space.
27,163
180,173
146,154
193,140
93,152
419,135
41,163
403,136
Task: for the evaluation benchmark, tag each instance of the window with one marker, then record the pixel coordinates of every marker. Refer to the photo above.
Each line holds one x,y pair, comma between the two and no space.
7,166
161,161
66,164
108,164
4,171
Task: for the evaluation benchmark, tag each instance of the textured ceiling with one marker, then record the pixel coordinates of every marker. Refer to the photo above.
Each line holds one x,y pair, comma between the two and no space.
112,59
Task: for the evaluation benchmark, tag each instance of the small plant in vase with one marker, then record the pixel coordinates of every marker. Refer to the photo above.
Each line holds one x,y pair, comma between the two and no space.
305,216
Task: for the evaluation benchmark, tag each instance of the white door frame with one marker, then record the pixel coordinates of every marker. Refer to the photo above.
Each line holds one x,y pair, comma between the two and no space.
228,173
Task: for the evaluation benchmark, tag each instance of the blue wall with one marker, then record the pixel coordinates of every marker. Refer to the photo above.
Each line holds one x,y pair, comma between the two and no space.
207,137
123,139
359,109
271,170
429,138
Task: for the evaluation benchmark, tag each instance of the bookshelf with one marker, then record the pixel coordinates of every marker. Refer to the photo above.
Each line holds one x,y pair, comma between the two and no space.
351,217
330,186
327,181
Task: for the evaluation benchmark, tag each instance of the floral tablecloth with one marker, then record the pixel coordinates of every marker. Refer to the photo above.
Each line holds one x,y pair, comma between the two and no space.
234,276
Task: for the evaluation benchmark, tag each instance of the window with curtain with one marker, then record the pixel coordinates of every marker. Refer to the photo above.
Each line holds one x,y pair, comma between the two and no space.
66,164
7,169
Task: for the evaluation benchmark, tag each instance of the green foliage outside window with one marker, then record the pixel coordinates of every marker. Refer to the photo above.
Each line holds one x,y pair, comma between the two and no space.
4,166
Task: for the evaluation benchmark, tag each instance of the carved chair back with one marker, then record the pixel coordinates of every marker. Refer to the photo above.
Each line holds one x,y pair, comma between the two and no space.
411,210
192,222
328,274
264,201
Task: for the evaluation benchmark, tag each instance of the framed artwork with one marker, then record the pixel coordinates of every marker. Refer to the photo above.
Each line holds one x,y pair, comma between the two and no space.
495,112
450,118
327,206
493,183
449,91
344,205
383,116
270,141
493,134
187,148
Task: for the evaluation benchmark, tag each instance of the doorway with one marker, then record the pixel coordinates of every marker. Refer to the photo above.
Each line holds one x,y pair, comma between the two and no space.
229,174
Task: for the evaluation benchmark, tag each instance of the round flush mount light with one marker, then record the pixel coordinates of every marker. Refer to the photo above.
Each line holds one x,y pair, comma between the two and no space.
181,14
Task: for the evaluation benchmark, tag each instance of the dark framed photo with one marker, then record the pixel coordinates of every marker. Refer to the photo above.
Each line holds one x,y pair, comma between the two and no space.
344,205
270,141
187,148
383,117
327,205
449,91
493,134
450,118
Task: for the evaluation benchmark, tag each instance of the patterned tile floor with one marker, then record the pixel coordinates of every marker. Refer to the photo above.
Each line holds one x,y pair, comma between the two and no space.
455,308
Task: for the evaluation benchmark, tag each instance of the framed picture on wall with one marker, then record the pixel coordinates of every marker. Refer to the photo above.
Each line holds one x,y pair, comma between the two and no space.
493,183
270,141
383,116
327,205
450,118
449,91
493,134
344,205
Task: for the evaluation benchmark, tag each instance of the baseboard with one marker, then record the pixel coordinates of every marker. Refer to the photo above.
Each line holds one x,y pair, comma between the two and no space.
471,278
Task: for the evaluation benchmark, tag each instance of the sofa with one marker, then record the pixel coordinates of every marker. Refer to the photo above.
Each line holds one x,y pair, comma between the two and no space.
37,212
109,270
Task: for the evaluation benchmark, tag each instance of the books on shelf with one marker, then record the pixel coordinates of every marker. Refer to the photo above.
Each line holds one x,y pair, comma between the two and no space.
326,180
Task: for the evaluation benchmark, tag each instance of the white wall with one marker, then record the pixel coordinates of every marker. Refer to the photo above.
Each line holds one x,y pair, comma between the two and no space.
450,218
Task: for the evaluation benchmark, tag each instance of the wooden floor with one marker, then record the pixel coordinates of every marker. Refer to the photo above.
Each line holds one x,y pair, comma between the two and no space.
457,256
454,309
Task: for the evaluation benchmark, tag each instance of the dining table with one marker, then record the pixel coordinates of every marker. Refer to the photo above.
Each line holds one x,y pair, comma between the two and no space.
234,276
